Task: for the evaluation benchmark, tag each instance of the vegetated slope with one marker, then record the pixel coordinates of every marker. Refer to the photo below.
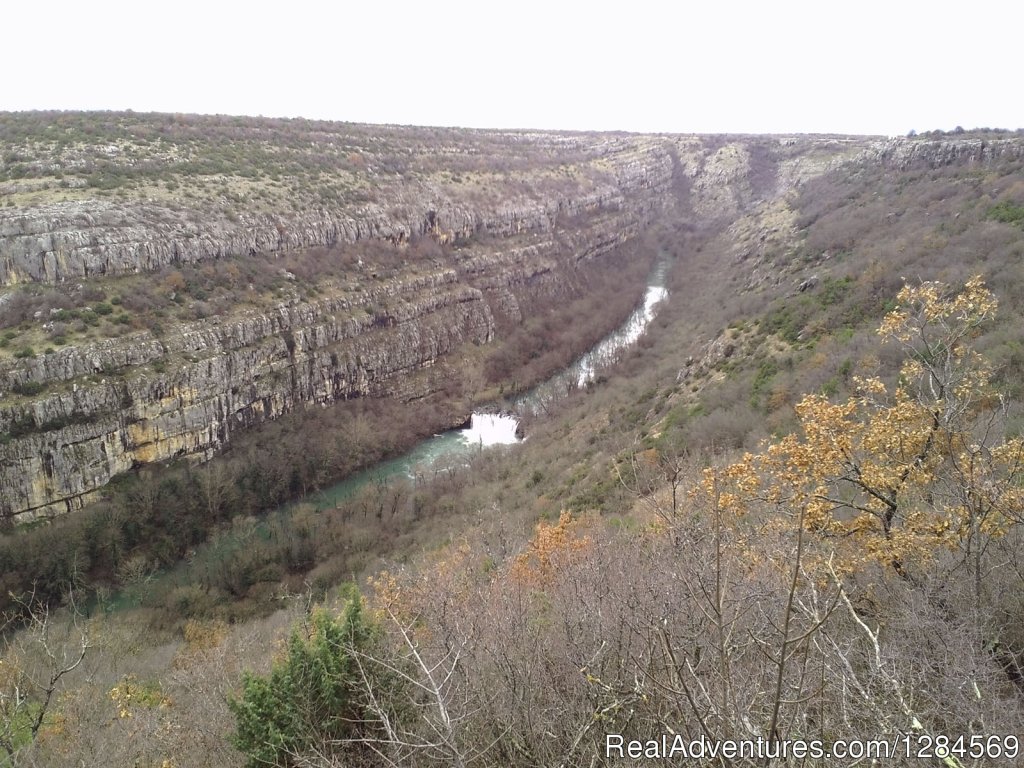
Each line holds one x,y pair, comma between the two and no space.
172,280
917,209
670,600
777,596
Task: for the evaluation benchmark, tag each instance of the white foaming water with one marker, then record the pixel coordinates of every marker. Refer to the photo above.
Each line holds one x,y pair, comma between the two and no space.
486,429
610,346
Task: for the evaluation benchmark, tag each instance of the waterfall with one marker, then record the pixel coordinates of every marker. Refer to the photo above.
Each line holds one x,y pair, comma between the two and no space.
486,429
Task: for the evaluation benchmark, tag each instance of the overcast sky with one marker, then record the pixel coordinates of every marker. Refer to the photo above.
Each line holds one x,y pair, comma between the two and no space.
709,66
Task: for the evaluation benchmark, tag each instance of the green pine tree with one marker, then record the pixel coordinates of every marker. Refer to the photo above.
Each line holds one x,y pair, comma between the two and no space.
315,695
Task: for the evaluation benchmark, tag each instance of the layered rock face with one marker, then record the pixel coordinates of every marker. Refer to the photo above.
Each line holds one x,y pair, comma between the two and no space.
515,215
148,400
111,405
391,184
904,154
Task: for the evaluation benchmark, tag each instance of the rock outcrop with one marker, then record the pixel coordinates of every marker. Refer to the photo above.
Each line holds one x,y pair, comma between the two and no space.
905,153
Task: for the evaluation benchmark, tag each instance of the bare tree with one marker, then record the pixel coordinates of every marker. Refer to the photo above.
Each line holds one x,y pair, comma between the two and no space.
649,473
38,653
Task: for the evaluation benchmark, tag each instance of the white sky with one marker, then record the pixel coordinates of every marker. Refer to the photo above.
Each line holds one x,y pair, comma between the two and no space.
708,66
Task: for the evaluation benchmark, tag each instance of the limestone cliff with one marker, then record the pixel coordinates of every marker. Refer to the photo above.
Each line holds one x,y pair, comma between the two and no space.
404,183
906,153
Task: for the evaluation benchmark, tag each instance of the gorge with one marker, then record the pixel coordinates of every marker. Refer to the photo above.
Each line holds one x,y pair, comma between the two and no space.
431,242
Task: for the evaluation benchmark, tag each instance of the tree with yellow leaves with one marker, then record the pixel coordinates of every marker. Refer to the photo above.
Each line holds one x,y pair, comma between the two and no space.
552,548
901,469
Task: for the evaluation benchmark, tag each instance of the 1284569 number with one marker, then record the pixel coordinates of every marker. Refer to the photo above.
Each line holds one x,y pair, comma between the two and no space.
964,747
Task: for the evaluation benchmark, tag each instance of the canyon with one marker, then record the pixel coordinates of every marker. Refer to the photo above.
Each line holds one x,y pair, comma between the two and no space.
509,217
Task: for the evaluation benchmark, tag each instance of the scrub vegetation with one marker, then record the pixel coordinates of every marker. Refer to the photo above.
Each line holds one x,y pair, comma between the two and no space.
234,165
792,511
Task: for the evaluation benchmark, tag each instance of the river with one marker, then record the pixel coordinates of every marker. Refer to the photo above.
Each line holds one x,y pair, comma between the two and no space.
489,428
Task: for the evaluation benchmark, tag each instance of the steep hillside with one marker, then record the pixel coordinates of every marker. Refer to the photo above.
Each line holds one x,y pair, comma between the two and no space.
810,280
422,236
